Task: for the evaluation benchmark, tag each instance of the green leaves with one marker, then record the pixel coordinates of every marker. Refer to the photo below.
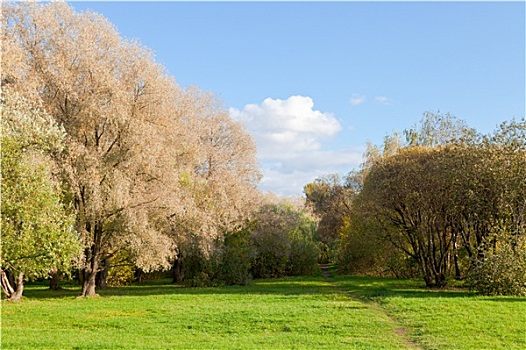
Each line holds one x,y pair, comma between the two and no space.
37,231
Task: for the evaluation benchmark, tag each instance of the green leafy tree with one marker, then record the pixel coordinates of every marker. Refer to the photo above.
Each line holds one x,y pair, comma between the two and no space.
436,129
283,240
330,197
234,268
37,230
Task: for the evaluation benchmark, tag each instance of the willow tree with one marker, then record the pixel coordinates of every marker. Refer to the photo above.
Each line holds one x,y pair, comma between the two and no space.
218,184
37,229
116,106
144,157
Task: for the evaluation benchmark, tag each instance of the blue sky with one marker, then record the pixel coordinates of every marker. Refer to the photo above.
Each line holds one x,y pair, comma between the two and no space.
314,81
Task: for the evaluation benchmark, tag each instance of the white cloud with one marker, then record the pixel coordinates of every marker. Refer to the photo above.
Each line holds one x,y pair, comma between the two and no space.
287,177
357,99
286,126
290,136
383,100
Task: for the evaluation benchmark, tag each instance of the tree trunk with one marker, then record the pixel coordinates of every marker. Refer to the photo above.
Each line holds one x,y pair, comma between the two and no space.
89,284
7,287
13,294
19,288
92,259
53,279
177,270
102,276
139,275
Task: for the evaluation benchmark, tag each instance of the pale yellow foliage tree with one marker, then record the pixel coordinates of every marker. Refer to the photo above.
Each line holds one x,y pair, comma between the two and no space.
146,161
219,182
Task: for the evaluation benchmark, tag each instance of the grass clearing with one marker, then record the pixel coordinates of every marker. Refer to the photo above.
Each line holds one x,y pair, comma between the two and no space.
291,313
300,313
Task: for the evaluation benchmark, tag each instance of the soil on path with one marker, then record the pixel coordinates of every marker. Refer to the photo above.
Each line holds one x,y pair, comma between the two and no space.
325,270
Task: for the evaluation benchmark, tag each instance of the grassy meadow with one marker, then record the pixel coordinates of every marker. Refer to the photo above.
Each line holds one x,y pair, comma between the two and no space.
290,313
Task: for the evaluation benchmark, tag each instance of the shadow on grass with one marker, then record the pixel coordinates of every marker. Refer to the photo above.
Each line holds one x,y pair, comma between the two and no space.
372,288
283,286
364,288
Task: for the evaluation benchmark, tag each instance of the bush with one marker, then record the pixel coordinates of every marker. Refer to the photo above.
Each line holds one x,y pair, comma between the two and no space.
502,271
271,251
198,269
235,262
120,275
304,252
270,261
117,271
201,279
228,262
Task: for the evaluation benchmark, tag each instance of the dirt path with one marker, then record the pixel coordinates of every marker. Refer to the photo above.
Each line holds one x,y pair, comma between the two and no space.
400,330
325,270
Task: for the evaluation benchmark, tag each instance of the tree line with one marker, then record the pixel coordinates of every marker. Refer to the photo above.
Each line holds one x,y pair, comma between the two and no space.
111,171
107,162
445,203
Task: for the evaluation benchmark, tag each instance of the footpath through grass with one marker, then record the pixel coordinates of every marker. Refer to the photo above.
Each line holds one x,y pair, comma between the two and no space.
444,319
292,313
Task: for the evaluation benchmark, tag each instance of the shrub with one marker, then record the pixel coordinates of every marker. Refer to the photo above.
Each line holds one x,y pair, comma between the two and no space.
235,262
304,252
502,271
120,275
198,269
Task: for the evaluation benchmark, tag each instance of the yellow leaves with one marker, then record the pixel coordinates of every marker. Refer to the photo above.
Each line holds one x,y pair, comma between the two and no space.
185,179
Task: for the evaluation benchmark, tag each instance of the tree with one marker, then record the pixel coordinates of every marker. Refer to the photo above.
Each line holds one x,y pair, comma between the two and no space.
330,198
151,167
436,129
117,108
37,229
218,180
404,196
435,202
500,264
283,240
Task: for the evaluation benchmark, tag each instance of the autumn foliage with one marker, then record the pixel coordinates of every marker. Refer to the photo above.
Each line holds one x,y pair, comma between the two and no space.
149,167
111,170
452,209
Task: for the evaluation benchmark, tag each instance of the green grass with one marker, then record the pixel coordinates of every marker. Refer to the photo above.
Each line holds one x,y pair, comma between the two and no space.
292,313
445,319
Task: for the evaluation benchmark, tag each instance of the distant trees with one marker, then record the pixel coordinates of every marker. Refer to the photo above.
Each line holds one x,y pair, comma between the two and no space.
278,241
284,241
329,198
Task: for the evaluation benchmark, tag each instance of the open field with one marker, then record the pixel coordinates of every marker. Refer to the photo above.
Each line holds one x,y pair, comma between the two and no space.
292,313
